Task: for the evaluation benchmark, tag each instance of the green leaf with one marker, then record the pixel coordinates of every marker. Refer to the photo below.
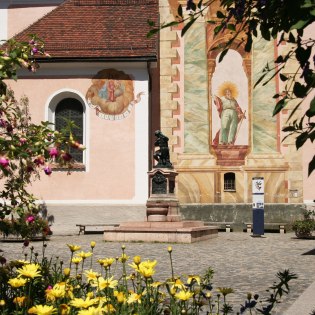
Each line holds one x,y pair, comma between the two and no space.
223,53
180,11
199,4
279,106
311,166
279,59
220,15
288,129
299,90
301,139
311,111
283,77
302,55
218,28
211,22
265,33
152,32
300,24
187,26
312,136
248,45
260,79
291,38
231,27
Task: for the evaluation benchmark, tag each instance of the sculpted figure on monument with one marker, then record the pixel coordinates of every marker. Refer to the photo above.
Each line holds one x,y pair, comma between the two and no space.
162,155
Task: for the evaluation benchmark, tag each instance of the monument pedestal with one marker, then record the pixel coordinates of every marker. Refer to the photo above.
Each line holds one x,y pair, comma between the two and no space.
163,222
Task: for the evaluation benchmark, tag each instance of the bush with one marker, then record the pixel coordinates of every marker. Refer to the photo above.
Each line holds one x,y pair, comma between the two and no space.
304,228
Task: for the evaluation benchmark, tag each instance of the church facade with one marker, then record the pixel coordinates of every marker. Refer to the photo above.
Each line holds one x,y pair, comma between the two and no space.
120,87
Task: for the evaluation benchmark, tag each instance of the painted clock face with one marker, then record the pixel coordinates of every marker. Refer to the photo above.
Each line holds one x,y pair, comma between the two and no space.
112,94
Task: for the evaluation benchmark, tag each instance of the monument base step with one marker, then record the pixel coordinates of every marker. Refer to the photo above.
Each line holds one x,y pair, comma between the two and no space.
165,232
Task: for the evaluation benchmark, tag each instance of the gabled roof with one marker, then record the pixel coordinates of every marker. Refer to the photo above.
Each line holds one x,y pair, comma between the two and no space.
93,29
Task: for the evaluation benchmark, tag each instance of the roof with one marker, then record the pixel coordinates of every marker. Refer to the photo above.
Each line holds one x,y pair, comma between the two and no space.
90,29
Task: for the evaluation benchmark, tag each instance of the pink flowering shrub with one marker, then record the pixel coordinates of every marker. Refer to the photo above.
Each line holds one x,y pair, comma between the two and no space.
27,150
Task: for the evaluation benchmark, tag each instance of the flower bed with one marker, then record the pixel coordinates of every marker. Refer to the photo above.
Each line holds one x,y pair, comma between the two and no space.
121,286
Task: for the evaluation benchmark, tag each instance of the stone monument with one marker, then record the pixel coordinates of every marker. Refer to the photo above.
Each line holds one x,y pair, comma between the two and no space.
163,221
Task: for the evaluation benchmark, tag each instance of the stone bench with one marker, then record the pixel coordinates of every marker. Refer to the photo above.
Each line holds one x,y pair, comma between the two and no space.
221,225
281,227
94,227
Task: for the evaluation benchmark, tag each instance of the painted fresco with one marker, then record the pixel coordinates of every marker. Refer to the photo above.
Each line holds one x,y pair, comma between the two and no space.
230,102
112,94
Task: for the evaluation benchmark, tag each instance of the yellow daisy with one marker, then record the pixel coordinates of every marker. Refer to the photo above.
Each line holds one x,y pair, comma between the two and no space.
74,248
17,282
29,271
81,303
42,310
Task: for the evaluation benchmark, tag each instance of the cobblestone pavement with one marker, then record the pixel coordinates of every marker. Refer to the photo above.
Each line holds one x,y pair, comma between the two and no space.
245,263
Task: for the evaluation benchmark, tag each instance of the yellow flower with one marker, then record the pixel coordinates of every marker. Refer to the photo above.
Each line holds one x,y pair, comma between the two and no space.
106,262
146,272
80,303
42,310
184,295
109,308
74,248
29,271
120,296
58,291
123,258
225,291
156,284
17,282
193,278
76,260
92,311
145,268
102,283
66,272
137,260
2,302
84,255
178,284
134,298
169,249
19,300
91,275
92,244
64,309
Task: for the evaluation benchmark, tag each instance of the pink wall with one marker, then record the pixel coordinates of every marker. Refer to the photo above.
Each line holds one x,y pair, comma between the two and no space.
110,154
21,18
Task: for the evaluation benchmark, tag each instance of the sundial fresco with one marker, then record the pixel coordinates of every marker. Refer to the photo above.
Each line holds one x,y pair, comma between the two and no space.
112,94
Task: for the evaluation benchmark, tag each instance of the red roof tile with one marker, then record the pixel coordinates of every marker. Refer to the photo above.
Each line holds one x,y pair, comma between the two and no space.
98,29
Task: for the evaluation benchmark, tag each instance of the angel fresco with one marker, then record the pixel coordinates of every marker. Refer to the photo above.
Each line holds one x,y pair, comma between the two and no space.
112,94
230,113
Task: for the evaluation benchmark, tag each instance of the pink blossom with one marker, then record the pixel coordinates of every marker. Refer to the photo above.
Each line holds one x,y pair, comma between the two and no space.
66,156
4,162
22,140
39,160
53,152
30,219
47,170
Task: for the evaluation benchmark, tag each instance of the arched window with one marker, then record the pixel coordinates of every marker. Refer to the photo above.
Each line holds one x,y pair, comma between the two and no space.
71,109
229,182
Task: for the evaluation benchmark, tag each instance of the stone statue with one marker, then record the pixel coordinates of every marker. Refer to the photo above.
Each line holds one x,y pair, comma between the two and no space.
162,156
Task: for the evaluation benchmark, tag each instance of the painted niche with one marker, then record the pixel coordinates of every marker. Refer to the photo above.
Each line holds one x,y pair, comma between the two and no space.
229,90
112,94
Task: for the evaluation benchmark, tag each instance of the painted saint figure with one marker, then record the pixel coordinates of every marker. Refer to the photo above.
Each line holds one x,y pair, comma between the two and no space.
231,115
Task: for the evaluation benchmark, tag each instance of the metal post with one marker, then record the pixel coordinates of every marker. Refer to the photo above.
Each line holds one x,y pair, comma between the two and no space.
258,205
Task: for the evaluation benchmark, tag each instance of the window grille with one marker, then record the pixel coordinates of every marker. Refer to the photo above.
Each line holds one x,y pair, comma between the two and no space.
229,182
71,109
